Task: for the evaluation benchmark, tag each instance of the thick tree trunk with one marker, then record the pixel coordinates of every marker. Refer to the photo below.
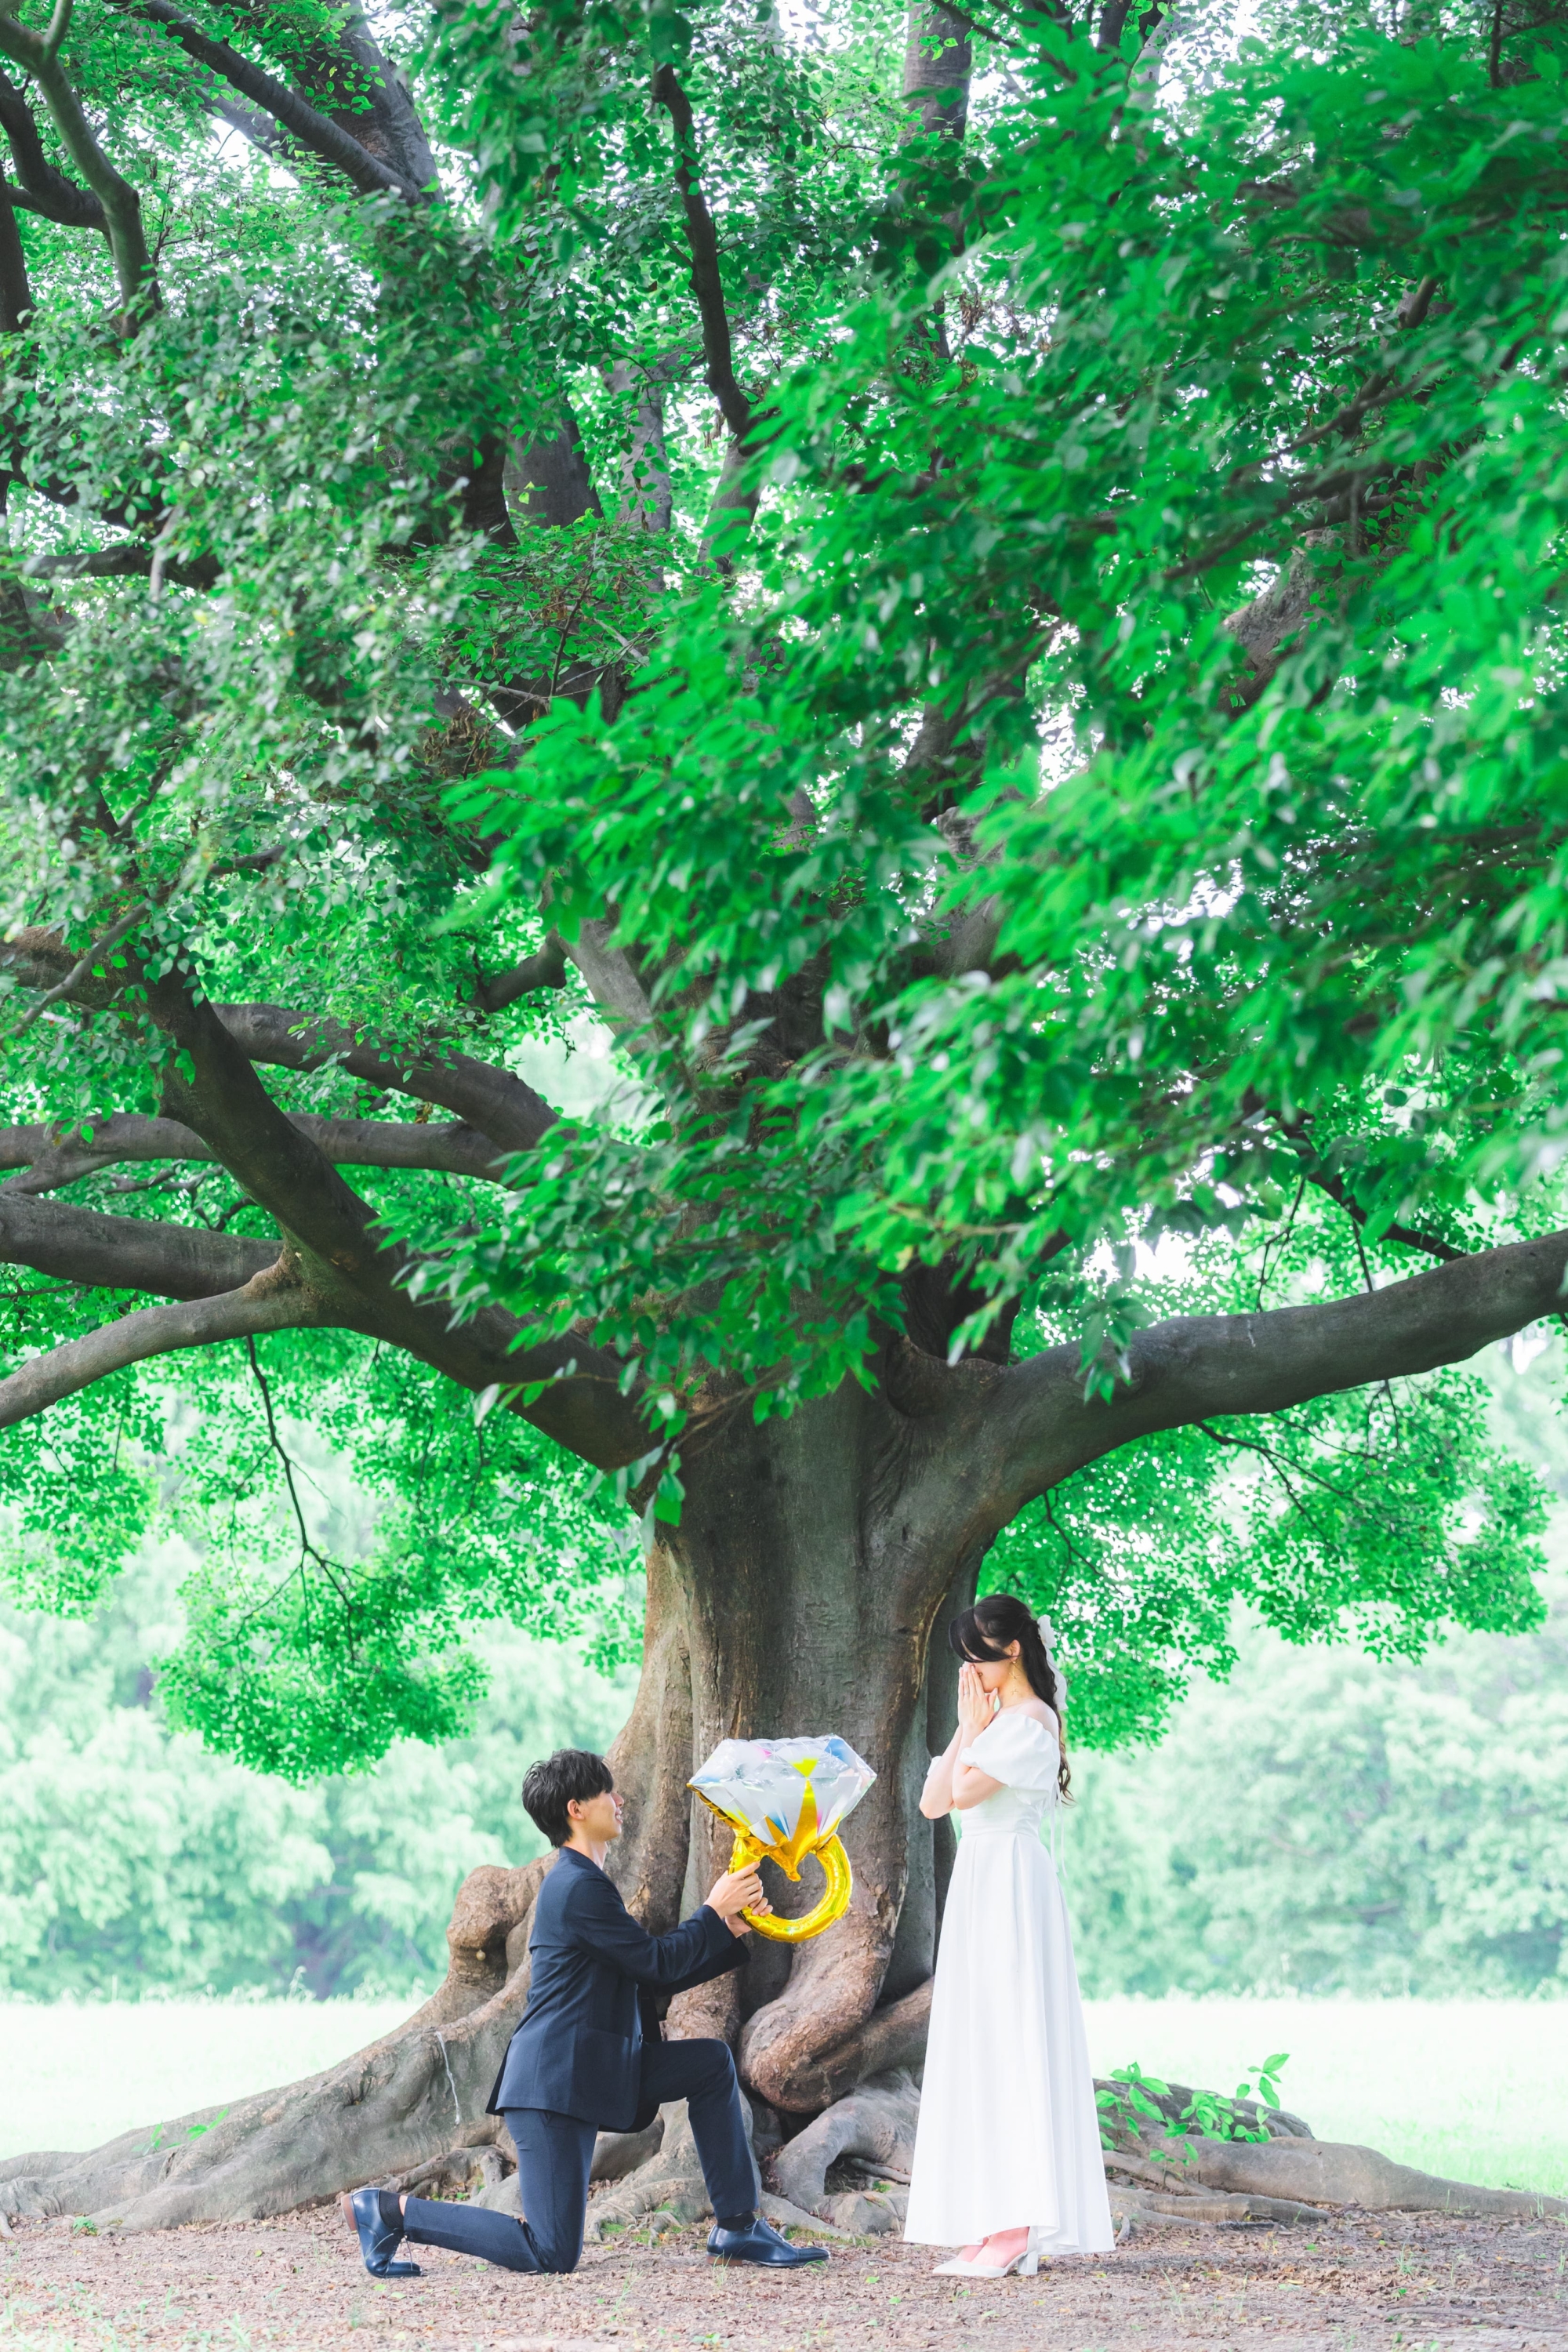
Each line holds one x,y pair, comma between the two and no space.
798,1597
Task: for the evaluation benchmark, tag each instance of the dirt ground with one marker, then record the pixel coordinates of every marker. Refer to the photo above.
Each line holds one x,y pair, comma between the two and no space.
1424,2285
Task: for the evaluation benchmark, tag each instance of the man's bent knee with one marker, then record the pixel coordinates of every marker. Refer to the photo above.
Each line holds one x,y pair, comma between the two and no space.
525,2258
557,2259
717,2063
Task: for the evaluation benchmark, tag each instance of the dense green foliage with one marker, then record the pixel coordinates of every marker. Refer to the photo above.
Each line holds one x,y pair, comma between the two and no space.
131,1857
452,1523
1302,334
991,892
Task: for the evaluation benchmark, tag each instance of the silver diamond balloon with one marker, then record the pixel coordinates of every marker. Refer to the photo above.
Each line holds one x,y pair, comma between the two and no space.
789,1796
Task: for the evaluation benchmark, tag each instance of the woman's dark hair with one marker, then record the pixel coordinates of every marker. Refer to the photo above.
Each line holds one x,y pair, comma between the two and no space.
988,1631
549,1788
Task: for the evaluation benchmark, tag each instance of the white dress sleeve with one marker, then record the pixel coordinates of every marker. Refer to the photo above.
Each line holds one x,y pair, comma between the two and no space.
1017,1748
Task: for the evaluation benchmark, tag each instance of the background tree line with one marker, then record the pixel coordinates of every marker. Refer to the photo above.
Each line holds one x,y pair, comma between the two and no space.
133,1860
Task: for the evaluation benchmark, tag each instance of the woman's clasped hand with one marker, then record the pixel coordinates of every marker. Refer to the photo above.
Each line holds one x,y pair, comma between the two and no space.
976,1704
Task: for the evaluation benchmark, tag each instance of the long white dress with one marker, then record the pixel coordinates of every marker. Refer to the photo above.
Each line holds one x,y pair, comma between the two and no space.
1008,2135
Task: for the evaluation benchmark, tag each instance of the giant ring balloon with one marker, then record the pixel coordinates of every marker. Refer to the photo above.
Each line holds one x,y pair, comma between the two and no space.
785,1799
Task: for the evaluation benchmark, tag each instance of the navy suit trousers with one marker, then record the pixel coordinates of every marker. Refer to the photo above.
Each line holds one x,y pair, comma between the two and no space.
554,2154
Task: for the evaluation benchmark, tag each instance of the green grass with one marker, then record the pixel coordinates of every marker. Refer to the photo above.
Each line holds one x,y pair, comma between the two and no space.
1475,2090
75,2074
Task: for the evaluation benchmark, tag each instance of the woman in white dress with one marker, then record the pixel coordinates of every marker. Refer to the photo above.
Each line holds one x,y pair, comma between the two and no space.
1007,2158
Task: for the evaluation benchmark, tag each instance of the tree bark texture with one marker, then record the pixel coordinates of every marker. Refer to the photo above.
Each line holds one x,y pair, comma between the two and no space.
939,58
797,1597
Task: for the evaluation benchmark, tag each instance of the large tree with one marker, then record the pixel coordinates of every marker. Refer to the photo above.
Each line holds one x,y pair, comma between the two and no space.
1001,631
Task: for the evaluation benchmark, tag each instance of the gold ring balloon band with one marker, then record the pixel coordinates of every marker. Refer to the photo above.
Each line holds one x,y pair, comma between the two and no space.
785,1799
836,1895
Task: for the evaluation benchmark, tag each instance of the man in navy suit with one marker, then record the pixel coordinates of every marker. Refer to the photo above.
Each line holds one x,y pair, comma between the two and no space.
589,2055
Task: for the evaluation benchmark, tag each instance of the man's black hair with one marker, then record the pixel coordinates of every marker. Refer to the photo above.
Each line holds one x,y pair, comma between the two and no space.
549,1788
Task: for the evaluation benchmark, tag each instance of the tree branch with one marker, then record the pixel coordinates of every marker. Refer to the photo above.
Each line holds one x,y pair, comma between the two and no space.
646,484
1408,1236
210,1084
43,190
132,560
489,1100
550,476
393,127
582,1408
344,73
16,293
703,240
1316,1172
271,1301
938,59
211,1088
486,1099
140,1253
50,1159
314,130
547,968
116,936
37,53
260,130
614,983
1038,1428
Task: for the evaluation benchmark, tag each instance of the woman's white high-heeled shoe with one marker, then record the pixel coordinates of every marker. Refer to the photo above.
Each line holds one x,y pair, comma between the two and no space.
1024,2264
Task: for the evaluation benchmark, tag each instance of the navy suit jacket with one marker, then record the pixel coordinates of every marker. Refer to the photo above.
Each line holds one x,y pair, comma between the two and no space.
578,2050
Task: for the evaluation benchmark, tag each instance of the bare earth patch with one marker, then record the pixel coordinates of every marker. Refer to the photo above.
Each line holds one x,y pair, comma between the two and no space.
1419,2283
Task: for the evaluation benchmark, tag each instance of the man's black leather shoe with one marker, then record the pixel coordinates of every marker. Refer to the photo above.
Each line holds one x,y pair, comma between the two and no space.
759,2242
378,2218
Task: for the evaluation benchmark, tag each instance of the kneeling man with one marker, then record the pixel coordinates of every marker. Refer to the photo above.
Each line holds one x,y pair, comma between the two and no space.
588,2056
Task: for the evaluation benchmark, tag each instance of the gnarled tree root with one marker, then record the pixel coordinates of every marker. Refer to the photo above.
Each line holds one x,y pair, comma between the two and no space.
618,2153
888,2041
873,2128
669,2190
408,2112
1189,2213
472,2167
1168,2179
1318,2172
